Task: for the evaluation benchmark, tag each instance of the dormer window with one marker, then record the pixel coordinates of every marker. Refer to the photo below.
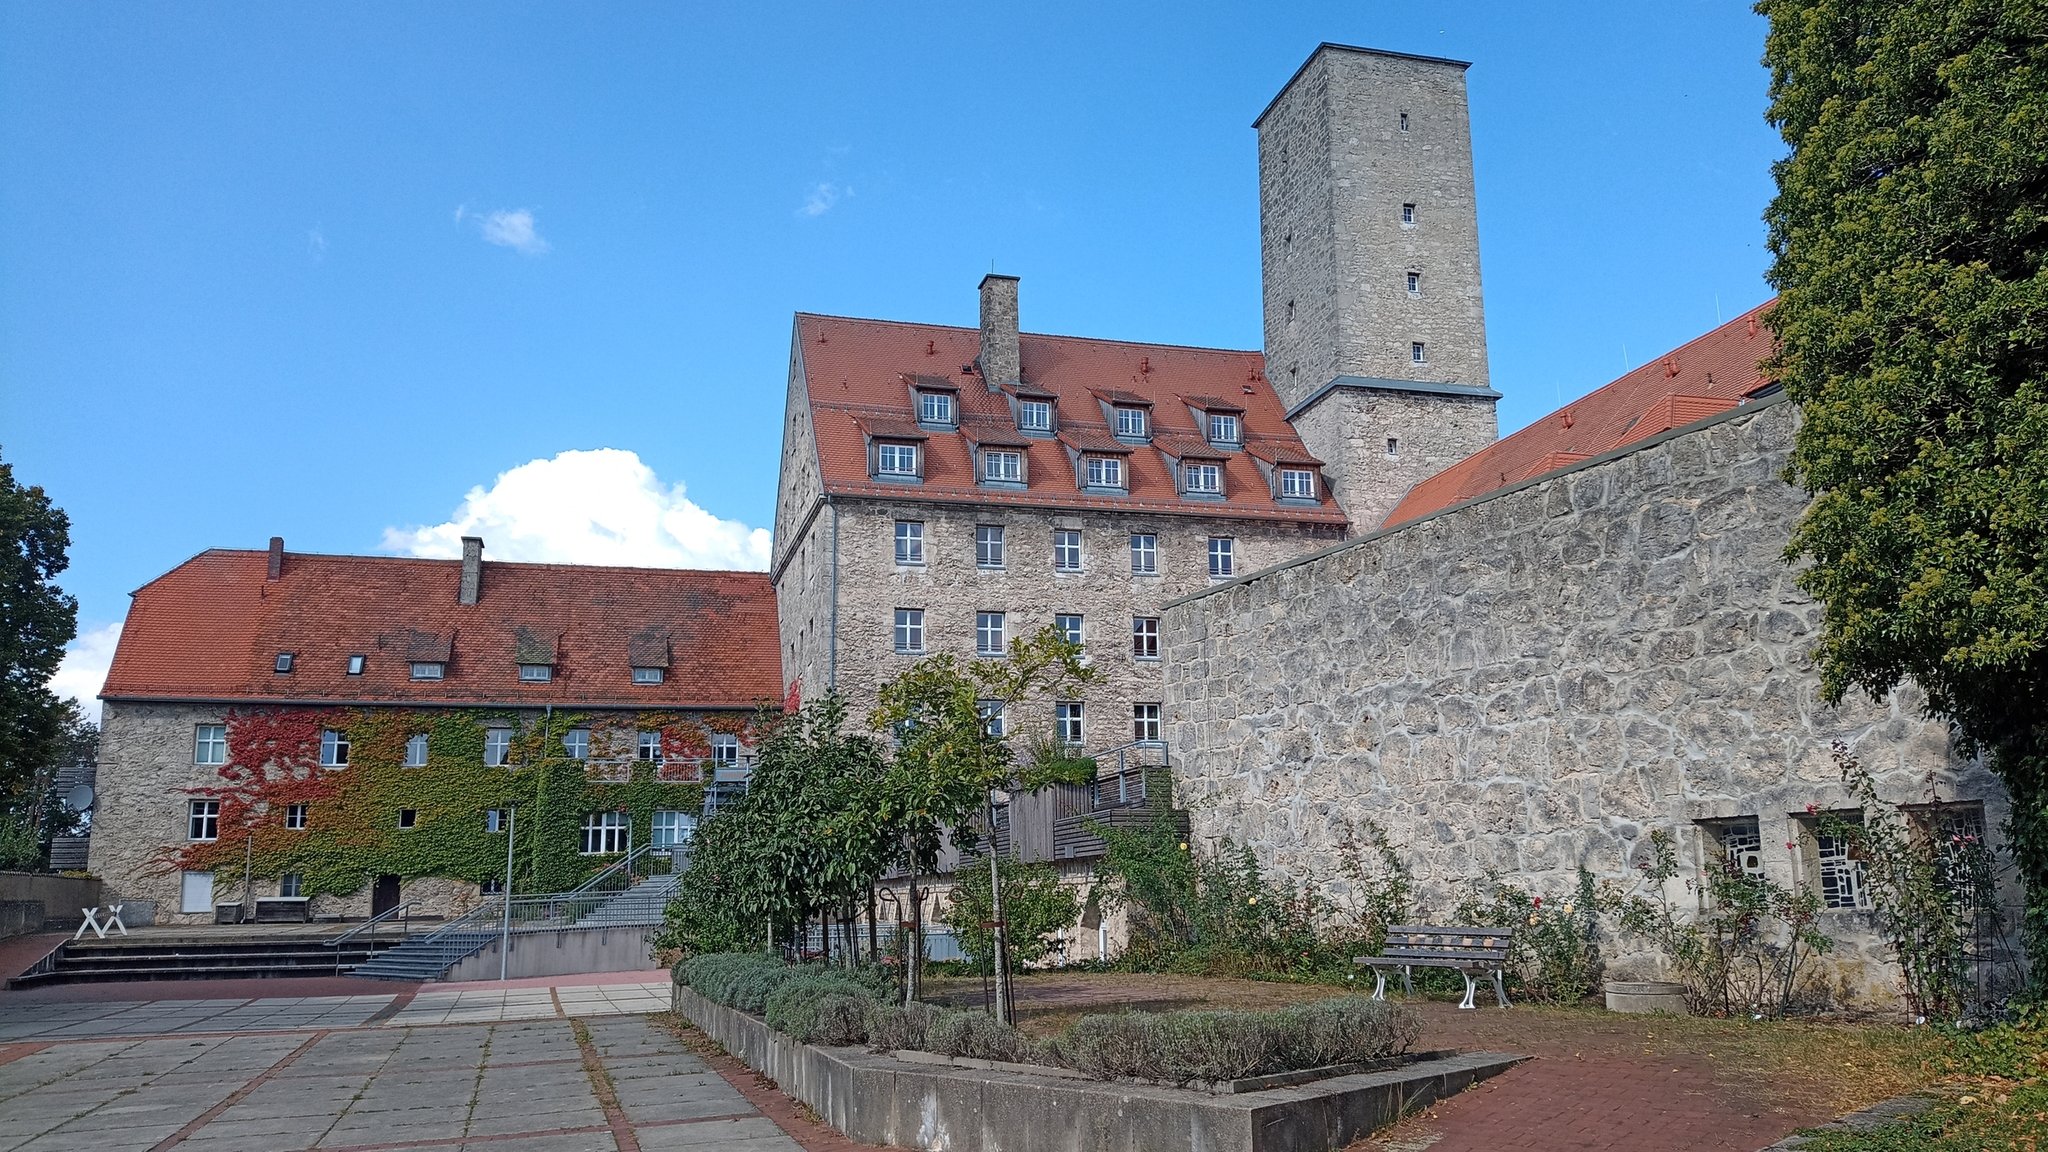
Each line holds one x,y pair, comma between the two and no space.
1105,472
897,459
1131,423
1297,484
536,673
1034,415
1224,428
428,670
648,675
1201,478
935,408
1002,466
284,662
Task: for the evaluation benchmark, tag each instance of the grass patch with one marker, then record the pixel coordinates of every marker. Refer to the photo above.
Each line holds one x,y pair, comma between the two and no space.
1997,1085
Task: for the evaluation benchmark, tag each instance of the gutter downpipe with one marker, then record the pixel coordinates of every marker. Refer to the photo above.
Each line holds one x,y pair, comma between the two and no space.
832,645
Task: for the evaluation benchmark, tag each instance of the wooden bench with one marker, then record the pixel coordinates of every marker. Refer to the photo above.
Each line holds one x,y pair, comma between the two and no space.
1471,951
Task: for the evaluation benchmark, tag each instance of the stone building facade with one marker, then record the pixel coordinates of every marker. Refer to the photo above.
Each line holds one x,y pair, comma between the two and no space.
1535,680
362,732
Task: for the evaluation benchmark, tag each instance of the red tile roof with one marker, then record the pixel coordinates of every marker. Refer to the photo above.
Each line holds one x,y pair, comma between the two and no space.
211,629
1710,375
855,372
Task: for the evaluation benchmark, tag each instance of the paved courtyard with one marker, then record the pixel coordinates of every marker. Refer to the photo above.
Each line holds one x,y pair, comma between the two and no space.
510,1069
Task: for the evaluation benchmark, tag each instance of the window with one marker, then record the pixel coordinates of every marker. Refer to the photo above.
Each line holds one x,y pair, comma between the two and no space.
1144,554
1840,875
1145,637
988,634
1066,550
1105,472
1393,445
1956,832
1000,466
1202,478
1415,283
1297,484
1740,842
290,884
910,542
649,675
1408,215
910,630
493,887
1418,353
604,833
416,750
333,749
1067,721
1131,423
647,747
896,459
497,747
1222,428
934,408
576,743
427,669
994,721
295,817
210,744
1034,415
673,829
284,662
988,546
1404,121
494,820
408,817
355,665
1222,557
725,749
202,820
1068,624
1145,723
536,673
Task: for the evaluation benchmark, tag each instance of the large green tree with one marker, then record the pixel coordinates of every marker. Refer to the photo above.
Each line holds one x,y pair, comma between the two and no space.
36,621
1909,233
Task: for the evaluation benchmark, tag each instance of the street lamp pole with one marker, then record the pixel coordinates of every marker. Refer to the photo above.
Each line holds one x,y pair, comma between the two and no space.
505,931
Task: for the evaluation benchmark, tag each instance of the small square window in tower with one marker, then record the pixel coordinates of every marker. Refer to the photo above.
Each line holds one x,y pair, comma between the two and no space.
910,542
1415,283
1404,121
1393,445
1408,215
1418,353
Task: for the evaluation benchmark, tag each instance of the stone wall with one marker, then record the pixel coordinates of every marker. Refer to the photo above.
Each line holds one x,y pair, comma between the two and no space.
801,567
1349,430
1534,681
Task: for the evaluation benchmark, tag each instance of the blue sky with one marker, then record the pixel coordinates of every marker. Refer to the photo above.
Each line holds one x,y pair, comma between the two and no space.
325,271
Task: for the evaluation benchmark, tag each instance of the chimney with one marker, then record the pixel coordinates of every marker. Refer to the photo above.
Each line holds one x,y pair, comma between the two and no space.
276,558
1000,359
472,569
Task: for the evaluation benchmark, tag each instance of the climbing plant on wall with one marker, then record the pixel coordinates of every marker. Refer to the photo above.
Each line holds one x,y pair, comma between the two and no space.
352,814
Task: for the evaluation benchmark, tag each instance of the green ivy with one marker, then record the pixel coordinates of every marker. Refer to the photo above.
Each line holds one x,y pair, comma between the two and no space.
352,831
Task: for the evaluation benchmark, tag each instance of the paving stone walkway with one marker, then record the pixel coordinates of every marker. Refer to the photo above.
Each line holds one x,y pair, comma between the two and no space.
606,1083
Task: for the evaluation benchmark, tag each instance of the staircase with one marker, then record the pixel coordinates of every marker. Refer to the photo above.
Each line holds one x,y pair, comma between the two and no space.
179,956
612,898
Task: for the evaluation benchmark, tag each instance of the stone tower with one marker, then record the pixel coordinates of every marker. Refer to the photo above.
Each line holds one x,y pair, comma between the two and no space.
1375,326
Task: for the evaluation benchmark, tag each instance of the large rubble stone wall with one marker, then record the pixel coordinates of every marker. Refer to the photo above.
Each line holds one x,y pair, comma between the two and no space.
1533,682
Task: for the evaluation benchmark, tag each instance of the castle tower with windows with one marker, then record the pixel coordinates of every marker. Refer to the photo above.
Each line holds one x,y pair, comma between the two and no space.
1375,325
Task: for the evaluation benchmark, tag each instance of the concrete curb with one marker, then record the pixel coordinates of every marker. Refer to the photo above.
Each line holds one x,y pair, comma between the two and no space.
881,1100
1877,1115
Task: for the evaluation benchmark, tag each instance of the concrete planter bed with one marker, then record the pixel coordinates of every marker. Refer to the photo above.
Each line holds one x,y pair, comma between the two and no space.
926,1101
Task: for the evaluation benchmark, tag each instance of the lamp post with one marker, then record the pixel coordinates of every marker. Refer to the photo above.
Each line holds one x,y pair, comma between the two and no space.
505,930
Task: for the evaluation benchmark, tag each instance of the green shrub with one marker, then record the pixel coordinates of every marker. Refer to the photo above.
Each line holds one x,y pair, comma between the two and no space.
1183,1047
899,1026
792,1008
841,1020
1350,1030
977,1036
1111,1047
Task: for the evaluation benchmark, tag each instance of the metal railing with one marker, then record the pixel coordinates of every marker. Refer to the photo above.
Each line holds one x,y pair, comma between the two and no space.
402,914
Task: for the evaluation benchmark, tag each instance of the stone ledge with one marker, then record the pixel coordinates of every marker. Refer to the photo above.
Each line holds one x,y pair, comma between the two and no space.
903,1104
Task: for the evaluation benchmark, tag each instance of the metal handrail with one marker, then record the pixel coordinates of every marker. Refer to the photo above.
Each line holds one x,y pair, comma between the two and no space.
631,858
403,913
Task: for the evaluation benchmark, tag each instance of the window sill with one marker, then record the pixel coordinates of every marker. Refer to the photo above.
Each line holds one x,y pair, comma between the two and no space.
895,478
991,568
1103,490
1003,485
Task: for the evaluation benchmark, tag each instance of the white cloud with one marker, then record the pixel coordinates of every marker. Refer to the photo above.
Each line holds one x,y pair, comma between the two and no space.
84,669
602,506
823,198
512,228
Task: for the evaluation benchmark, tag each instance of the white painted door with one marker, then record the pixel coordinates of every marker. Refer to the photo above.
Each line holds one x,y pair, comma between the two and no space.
198,892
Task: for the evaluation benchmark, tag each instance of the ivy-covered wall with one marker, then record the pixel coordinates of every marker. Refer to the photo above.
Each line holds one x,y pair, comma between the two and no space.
352,832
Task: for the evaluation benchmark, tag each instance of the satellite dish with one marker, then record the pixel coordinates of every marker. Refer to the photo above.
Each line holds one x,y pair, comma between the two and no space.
79,798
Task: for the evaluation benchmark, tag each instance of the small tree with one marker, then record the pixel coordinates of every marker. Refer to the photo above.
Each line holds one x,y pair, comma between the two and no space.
1036,905
36,621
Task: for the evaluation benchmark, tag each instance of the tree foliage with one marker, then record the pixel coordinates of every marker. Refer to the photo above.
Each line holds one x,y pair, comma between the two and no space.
1909,232
36,621
1035,906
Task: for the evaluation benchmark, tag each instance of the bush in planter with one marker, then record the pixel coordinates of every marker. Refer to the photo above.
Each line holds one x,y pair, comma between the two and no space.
793,1007
894,1026
1349,1030
1183,1047
1111,1047
723,977
980,1037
